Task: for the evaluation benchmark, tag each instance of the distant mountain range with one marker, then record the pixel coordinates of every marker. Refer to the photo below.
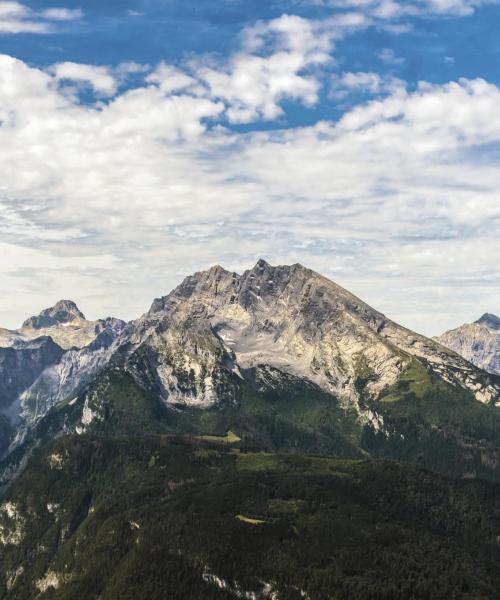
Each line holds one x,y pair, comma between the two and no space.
219,339
478,342
143,460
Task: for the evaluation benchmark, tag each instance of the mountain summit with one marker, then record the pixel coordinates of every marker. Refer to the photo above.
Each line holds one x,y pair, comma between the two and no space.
297,321
478,342
489,320
64,311
282,356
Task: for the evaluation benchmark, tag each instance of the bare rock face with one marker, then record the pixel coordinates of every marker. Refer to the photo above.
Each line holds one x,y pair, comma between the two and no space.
477,342
295,320
218,327
64,323
63,312
52,354
21,364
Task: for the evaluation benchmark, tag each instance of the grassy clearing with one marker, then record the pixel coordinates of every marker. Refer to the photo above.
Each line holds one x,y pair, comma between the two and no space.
415,380
258,461
309,465
229,438
250,521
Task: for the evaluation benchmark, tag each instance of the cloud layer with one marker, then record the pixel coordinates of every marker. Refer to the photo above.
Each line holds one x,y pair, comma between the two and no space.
16,17
121,196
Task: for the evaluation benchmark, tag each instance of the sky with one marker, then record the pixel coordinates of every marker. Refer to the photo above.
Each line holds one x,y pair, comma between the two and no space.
144,140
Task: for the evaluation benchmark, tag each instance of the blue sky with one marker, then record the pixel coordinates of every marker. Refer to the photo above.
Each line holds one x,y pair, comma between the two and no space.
140,141
436,48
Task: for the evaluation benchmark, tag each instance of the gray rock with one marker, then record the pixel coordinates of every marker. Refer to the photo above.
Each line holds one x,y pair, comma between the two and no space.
64,311
478,342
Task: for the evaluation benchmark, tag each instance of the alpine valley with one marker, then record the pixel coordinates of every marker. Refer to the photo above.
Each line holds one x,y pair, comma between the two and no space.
263,435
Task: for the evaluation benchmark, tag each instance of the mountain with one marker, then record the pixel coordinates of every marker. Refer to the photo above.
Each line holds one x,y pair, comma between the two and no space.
266,436
38,360
299,322
478,342
63,312
64,323
155,517
288,360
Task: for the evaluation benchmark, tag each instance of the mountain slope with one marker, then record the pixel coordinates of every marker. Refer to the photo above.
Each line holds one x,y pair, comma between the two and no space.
50,356
22,363
188,454
286,359
478,342
299,322
64,323
155,517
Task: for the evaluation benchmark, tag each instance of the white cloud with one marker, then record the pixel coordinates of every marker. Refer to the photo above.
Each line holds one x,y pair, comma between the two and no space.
62,14
19,18
100,78
388,56
256,80
364,82
171,79
394,9
118,200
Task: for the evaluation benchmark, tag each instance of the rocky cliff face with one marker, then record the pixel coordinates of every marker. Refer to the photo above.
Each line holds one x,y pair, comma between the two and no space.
477,342
281,354
21,364
299,322
64,323
217,326
76,368
52,354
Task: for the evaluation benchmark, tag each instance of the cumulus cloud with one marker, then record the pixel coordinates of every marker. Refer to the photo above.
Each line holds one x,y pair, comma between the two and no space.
120,198
365,83
278,60
275,63
394,192
100,78
387,10
170,79
19,18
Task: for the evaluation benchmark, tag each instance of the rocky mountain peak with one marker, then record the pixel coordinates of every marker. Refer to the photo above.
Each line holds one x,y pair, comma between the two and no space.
490,321
64,311
478,342
259,289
